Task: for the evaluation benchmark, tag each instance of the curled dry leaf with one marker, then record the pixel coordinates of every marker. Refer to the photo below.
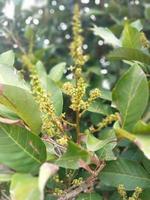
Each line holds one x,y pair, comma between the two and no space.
11,121
46,171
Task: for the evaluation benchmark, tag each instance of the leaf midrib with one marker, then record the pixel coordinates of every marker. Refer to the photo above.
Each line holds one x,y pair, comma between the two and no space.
30,155
130,99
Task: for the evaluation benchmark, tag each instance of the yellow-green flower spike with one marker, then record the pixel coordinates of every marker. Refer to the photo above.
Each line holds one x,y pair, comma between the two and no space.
50,124
144,41
122,192
77,43
105,122
137,193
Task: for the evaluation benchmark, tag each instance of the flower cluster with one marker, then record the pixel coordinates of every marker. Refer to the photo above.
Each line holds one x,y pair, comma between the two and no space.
77,182
77,94
144,41
77,43
123,193
105,122
50,121
78,90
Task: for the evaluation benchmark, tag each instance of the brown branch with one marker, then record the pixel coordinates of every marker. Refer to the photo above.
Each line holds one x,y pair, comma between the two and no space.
86,186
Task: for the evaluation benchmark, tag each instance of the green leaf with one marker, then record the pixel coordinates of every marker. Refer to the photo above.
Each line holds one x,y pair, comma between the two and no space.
71,159
106,94
7,113
98,106
106,35
130,96
143,142
146,164
40,69
129,54
89,196
10,76
57,72
24,187
106,153
20,149
141,127
94,144
129,173
7,58
51,87
55,93
145,194
22,103
131,37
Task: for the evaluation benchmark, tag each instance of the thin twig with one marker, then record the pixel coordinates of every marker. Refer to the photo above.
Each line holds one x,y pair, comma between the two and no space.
86,186
78,126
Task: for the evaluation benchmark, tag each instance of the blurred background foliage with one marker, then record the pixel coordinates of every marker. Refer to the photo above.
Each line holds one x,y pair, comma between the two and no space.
43,28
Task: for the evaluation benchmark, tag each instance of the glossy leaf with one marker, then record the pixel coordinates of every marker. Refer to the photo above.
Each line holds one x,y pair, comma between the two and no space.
57,72
106,153
130,96
98,106
71,159
22,103
131,37
129,54
141,140
24,187
128,173
106,35
20,149
94,144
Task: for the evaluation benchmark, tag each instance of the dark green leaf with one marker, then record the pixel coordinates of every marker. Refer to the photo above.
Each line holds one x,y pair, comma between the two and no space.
20,149
128,173
98,106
